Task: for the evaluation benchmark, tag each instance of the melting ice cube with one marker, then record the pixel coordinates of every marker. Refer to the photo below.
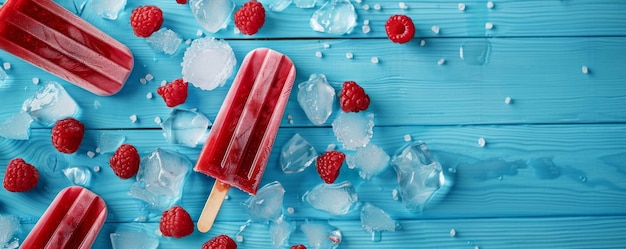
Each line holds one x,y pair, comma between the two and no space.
110,142
108,9
280,231
334,17
165,41
133,240
276,5
267,204
161,178
296,155
185,127
50,103
374,219
354,129
316,98
78,175
420,176
370,160
8,226
212,15
336,199
16,127
208,63
321,235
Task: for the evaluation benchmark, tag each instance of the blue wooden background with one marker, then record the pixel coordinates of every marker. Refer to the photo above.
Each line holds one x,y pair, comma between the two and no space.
559,118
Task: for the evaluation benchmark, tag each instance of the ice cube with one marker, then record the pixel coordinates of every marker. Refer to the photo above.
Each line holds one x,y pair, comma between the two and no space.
276,5
16,127
280,231
185,127
336,199
161,178
370,160
316,98
128,239
334,17
208,63
109,142
78,175
321,235
296,155
50,103
305,4
374,219
212,15
165,41
108,9
420,176
354,129
267,204
8,226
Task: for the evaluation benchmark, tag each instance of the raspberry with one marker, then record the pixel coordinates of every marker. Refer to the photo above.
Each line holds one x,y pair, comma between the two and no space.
250,17
20,176
181,1
176,222
328,165
174,93
220,242
353,98
125,161
298,246
67,134
145,20
400,28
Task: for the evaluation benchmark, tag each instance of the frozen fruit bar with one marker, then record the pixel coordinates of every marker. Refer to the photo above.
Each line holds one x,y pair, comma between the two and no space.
72,220
54,39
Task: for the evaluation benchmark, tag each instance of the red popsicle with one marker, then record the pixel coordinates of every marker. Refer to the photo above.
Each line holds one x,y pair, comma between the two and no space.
242,136
56,40
72,220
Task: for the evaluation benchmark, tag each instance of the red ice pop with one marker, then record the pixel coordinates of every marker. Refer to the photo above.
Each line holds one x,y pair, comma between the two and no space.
72,220
54,39
242,136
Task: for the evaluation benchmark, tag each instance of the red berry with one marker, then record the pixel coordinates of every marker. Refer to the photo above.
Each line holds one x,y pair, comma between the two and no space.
174,93
400,28
145,20
298,246
328,165
181,1
176,222
125,161
353,98
67,134
20,176
220,242
250,17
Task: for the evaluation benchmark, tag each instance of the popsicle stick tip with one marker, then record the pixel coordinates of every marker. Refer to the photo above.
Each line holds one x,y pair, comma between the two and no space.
212,206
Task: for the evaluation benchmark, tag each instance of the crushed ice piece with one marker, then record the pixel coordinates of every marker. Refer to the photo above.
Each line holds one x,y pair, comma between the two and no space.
366,22
507,100
336,199
296,155
481,142
304,4
108,9
163,83
157,120
420,176
334,17
326,45
422,43
91,154
353,129
394,194
452,232
441,61
585,69
8,227
78,175
365,7
318,54
377,7
403,5
149,95
330,147
407,137
165,41
161,178
374,219
108,142
461,6
321,235
374,60
435,29
6,65
370,160
277,5
127,239
208,62
185,127
35,80
366,29
291,210
50,104
490,5
212,15
96,168
16,127
143,81
280,231
267,204
316,97
350,55
488,25
149,77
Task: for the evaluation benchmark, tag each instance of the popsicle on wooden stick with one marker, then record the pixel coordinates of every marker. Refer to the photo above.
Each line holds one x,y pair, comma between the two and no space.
56,40
72,220
242,136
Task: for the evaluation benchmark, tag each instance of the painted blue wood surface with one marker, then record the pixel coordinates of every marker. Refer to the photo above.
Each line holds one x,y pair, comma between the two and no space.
550,176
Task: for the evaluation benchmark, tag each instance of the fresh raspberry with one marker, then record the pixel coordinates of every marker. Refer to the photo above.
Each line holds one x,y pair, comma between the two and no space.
174,93
298,246
353,98
176,222
181,1
220,242
67,134
250,17
145,20
20,176
125,161
400,28
328,165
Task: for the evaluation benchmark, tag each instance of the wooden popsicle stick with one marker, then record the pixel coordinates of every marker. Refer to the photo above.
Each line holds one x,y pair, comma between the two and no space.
212,206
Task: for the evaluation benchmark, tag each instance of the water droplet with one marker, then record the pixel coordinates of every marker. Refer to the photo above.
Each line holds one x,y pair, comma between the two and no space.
582,178
475,52
452,170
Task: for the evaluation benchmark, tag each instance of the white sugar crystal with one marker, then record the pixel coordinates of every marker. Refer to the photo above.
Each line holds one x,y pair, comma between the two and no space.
422,43
163,82
407,137
507,100
6,65
366,29
349,55
452,232
91,154
149,77
441,61
490,5
461,6
435,29
326,45
96,168
403,5
149,95
143,81
133,118
157,120
481,142
489,25
366,22
374,60
585,69
377,6
239,238
98,150
366,7
291,210
36,81
318,54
